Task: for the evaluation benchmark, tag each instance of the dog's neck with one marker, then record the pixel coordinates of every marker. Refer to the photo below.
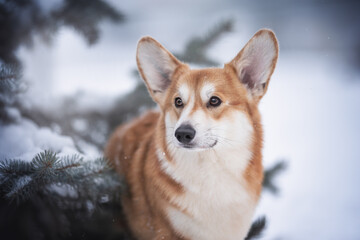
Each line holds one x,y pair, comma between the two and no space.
214,185
192,168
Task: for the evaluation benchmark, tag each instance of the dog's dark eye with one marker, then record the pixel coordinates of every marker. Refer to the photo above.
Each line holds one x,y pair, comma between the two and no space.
178,102
214,101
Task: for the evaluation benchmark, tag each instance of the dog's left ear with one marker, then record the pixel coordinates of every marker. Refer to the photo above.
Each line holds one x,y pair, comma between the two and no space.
157,66
256,62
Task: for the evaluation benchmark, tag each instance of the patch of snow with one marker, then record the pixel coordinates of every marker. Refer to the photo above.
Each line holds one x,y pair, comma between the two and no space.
90,206
63,190
25,139
13,113
104,198
80,124
47,6
89,150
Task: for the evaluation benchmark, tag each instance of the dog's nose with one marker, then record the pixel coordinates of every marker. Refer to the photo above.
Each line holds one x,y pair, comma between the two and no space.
185,133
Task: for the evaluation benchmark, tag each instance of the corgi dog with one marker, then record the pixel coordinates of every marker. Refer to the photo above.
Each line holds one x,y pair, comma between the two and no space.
193,169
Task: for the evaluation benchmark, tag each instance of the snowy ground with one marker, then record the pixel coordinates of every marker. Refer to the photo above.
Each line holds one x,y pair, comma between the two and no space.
311,111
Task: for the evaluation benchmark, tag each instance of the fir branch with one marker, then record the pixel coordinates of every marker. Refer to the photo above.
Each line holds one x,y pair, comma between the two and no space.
68,162
60,198
10,84
271,173
195,49
21,189
90,179
9,74
11,170
257,227
82,15
67,167
15,167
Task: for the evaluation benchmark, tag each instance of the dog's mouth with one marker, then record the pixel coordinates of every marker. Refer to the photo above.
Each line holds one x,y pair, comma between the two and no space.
194,146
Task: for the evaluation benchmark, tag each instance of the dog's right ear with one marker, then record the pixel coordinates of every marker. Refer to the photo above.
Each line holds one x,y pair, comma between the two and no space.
156,66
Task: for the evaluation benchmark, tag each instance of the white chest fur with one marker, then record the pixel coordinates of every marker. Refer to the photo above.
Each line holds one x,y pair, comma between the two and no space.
215,204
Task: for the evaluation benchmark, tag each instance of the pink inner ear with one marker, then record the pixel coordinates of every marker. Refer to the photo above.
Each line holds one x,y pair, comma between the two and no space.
157,65
247,77
255,64
255,67
164,80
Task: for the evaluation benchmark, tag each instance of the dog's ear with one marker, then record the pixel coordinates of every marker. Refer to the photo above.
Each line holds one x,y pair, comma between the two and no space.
156,66
256,62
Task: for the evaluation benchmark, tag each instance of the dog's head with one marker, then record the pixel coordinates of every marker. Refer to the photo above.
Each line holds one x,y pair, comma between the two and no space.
208,108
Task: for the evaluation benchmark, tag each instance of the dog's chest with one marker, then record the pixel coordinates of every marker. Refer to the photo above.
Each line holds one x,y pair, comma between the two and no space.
215,204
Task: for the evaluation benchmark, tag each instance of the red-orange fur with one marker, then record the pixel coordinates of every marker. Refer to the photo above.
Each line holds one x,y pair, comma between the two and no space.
132,148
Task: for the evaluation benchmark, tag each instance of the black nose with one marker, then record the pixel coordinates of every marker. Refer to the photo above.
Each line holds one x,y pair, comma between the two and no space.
185,133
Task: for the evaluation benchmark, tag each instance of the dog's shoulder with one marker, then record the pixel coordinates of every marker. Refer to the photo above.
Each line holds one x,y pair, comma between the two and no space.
138,128
125,140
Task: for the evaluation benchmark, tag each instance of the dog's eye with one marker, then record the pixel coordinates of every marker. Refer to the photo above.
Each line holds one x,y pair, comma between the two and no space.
214,101
178,102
